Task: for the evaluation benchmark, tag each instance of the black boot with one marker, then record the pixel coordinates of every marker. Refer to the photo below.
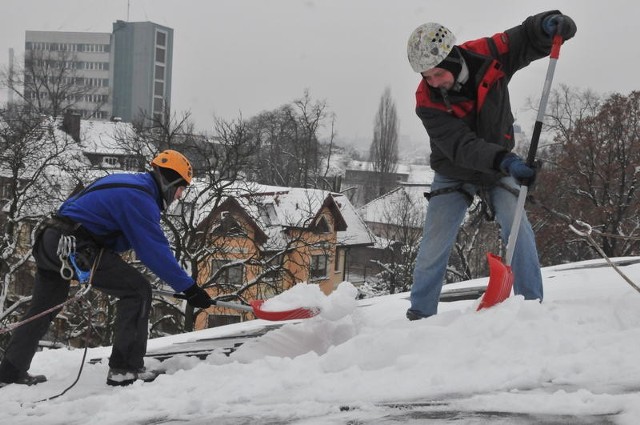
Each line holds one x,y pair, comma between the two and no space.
10,375
412,315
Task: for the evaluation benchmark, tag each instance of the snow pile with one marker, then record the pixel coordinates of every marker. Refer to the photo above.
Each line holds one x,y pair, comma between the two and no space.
339,303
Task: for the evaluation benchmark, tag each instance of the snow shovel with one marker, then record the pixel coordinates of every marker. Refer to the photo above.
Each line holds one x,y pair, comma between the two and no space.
255,307
500,273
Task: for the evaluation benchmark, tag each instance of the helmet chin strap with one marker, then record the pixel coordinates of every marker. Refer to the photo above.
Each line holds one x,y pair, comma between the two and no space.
167,189
463,75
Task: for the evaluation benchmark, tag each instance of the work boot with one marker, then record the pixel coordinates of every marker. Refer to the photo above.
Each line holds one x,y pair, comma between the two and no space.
412,315
10,375
122,377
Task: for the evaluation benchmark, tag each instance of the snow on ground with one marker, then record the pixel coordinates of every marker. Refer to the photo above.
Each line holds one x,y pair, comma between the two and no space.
572,359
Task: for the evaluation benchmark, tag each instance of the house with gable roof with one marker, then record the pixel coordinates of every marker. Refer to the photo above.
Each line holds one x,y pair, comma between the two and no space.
277,237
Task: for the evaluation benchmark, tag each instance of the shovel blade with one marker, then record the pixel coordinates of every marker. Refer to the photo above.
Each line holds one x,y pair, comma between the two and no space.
276,316
500,282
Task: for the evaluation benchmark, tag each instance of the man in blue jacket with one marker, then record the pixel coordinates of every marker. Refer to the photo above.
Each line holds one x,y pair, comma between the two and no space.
463,103
114,214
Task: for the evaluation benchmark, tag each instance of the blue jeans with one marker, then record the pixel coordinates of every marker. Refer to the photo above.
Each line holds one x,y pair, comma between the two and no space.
445,213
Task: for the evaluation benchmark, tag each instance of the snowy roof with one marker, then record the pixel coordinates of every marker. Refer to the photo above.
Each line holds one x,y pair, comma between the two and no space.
357,232
275,208
104,137
381,209
416,173
279,207
572,359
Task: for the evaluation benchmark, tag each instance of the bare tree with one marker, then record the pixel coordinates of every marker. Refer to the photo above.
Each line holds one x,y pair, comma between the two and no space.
32,163
291,151
244,263
591,174
49,82
403,216
221,164
383,152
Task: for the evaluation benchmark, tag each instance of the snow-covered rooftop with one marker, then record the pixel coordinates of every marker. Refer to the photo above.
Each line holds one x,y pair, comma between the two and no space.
572,359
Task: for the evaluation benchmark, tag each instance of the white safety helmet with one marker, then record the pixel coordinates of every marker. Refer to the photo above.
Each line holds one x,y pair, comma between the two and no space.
428,45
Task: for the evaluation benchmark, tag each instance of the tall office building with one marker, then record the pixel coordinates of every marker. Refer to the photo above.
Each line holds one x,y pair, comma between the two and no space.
124,74
142,61
85,85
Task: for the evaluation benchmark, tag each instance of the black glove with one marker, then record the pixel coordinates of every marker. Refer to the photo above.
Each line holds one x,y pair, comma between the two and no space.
514,165
559,24
197,297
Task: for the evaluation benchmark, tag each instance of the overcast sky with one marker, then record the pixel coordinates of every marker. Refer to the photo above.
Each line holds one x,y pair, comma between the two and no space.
248,56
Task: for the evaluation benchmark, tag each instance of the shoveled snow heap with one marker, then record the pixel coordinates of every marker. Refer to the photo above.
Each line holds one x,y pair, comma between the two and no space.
339,303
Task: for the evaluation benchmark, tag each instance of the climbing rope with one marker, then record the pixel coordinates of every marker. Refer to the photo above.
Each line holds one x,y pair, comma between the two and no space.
87,338
585,231
78,295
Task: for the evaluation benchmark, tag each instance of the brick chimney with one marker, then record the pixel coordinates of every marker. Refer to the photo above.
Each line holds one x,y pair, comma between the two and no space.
71,125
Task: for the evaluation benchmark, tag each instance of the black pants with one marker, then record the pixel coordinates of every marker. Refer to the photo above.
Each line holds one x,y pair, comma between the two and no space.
112,276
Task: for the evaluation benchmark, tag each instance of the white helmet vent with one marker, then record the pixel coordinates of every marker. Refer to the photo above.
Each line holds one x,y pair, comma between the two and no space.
428,45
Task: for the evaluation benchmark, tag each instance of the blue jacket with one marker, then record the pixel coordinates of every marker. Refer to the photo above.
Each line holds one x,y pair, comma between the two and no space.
127,218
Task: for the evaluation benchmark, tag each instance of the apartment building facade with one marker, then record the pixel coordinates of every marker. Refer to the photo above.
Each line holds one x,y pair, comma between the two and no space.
125,74
142,55
86,56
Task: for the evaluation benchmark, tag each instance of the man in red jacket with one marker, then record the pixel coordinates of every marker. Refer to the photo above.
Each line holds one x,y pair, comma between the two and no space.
463,102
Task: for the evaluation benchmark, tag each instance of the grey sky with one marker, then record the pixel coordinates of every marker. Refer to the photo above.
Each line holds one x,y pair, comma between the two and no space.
247,56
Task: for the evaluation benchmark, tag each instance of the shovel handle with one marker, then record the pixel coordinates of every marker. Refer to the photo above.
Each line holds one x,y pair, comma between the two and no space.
256,308
537,128
533,148
236,306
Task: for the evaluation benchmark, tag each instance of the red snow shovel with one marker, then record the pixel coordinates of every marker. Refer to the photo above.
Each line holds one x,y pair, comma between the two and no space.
256,309
500,273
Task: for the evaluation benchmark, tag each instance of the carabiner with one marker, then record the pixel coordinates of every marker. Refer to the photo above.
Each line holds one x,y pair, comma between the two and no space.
66,247
65,270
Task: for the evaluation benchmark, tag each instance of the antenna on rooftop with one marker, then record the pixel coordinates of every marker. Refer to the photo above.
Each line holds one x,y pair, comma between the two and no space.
128,7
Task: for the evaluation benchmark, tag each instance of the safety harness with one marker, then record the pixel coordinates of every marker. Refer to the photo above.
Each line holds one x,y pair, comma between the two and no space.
73,263
484,205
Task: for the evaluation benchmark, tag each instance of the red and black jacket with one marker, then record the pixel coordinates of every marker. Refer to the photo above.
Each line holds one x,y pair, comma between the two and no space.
476,125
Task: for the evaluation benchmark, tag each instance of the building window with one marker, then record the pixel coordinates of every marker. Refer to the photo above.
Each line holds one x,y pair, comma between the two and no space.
159,72
273,270
110,161
318,267
233,275
160,54
322,226
159,89
222,319
5,189
131,164
161,38
227,226
157,104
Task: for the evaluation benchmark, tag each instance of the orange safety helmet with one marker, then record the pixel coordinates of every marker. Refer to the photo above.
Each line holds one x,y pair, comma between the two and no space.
175,161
